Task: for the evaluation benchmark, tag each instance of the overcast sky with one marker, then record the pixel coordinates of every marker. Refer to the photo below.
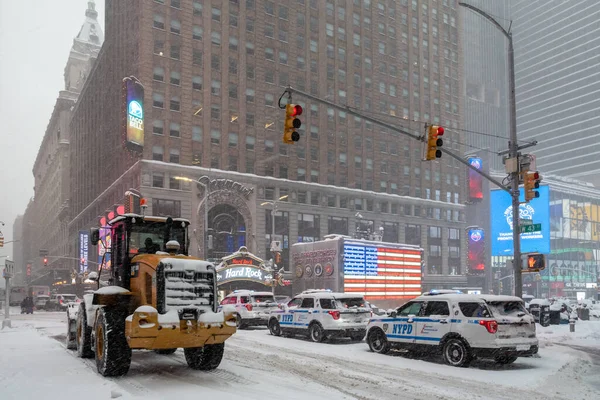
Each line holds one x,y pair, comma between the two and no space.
35,40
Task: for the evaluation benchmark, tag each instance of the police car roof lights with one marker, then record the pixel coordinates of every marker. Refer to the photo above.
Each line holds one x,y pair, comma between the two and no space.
435,292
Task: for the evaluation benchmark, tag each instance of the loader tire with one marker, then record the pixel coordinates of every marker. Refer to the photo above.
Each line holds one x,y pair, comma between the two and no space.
204,358
83,336
113,355
71,340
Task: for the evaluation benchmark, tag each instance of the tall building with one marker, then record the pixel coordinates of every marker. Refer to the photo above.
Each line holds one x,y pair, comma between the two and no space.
557,83
486,112
20,271
46,218
213,74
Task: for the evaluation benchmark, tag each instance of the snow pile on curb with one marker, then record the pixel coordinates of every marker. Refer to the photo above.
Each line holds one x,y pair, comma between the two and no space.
587,333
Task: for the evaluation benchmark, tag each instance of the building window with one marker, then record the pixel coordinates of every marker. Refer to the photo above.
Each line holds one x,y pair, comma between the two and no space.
174,104
159,21
197,32
250,142
197,83
158,180
435,232
175,52
159,74
158,127
175,78
197,57
174,129
215,38
196,134
157,153
233,140
216,14
166,208
158,100
250,95
337,225
215,136
308,228
301,174
412,234
174,156
175,27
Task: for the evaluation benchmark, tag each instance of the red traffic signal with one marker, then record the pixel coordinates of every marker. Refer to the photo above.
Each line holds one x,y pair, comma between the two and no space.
297,110
45,262
440,131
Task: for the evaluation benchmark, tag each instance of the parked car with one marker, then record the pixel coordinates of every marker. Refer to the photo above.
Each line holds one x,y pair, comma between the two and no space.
251,308
59,302
40,302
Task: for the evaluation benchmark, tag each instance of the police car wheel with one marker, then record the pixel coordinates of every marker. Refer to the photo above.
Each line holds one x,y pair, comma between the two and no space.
239,323
456,353
378,342
316,333
274,327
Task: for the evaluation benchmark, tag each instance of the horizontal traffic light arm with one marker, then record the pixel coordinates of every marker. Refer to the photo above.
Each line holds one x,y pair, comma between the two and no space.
289,91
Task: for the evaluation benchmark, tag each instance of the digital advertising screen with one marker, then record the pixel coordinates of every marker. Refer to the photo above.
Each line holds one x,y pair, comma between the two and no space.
382,272
475,180
476,251
133,93
537,211
83,251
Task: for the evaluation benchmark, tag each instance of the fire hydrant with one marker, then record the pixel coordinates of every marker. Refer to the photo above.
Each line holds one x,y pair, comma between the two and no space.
571,324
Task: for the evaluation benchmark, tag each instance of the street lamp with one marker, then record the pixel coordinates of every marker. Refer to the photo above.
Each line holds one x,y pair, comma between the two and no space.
273,212
205,202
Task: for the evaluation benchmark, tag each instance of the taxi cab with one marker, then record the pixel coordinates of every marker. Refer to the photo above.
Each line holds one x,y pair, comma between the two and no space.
322,314
459,326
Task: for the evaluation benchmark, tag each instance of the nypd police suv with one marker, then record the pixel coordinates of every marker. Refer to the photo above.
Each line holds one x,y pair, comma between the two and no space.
322,314
460,326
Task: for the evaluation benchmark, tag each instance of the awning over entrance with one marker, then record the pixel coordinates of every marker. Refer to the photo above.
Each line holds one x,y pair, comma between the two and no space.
243,266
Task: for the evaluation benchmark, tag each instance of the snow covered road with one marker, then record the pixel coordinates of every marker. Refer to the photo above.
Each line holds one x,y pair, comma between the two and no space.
35,363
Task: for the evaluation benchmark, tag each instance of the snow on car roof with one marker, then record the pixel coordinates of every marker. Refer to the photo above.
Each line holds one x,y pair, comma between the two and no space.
250,292
469,297
335,295
181,264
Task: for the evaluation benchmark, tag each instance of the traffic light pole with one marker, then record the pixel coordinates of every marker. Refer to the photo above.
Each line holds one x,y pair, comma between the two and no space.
513,189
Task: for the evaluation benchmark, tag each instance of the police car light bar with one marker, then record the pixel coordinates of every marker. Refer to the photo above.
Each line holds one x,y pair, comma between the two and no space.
309,291
434,292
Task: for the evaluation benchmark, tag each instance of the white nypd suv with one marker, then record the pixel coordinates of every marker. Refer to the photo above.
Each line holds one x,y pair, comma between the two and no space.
460,326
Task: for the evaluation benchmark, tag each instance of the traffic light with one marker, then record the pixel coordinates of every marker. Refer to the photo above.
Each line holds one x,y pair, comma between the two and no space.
536,262
277,258
434,142
1,241
291,123
45,261
531,181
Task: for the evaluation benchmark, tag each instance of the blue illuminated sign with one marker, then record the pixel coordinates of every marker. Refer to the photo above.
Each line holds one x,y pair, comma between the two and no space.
537,210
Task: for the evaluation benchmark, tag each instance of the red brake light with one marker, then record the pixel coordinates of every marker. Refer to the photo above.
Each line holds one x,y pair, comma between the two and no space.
297,111
60,301
440,131
491,326
335,314
249,307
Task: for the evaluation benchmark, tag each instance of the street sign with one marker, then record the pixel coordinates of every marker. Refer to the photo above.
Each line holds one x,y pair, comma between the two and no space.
43,252
530,228
526,222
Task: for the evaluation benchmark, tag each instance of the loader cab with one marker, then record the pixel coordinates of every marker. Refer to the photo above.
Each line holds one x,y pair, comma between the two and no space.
133,235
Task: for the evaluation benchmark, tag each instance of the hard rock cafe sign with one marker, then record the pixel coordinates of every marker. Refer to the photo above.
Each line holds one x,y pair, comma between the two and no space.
241,266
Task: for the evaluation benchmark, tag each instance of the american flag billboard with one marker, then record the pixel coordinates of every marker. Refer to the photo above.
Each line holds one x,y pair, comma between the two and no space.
381,271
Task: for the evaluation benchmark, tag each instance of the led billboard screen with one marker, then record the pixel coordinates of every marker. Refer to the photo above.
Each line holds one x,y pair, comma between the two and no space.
476,251
379,272
537,211
475,180
133,96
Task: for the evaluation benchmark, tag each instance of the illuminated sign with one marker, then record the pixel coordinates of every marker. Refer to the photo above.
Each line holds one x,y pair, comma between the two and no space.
133,105
83,251
476,251
537,211
381,272
243,266
475,180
